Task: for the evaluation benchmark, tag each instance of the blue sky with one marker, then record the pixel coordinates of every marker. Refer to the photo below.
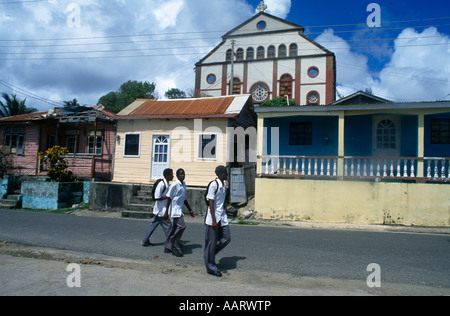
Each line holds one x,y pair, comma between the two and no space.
56,50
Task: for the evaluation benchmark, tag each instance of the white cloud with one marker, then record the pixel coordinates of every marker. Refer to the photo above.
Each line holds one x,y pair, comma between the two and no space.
167,12
418,68
352,68
279,8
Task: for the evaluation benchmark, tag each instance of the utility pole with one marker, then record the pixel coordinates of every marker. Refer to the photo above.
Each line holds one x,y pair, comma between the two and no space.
233,43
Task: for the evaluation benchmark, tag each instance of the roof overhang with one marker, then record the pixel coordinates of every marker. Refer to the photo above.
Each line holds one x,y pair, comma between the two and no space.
440,106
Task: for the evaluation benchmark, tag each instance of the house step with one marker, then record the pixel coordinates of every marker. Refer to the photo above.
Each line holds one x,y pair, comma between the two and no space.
15,197
142,200
8,203
141,204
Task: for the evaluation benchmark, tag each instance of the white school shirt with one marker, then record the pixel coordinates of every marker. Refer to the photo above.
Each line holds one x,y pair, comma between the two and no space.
177,193
219,201
160,206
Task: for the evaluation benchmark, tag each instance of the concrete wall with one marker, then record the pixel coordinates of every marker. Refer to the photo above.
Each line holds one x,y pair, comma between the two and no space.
115,197
51,195
354,202
110,197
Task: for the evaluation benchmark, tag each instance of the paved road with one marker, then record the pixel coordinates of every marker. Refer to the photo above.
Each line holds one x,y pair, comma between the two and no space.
404,258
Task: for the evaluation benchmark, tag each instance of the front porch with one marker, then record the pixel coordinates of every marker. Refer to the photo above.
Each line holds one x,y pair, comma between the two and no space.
363,164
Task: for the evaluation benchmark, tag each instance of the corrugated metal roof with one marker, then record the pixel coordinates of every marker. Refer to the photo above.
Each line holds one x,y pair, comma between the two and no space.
25,117
186,108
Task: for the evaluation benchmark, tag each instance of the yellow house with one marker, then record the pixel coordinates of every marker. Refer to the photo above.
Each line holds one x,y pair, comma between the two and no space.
194,134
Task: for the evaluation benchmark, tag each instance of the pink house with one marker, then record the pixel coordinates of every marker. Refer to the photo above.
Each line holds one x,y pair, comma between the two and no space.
88,134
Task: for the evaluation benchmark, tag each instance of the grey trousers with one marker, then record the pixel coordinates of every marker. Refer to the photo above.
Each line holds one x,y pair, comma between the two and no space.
174,237
215,241
165,224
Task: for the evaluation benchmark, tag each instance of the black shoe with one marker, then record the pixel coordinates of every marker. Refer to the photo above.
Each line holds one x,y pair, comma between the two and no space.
146,244
177,252
216,273
167,250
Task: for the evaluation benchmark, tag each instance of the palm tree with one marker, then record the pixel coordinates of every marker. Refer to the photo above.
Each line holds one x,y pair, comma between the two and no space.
14,106
71,104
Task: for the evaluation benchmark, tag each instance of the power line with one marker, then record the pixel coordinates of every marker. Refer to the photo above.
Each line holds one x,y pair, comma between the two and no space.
208,32
20,2
28,94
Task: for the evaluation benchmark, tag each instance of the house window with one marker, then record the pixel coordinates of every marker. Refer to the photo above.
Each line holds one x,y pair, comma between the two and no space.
300,133
72,141
95,144
240,54
386,135
282,51
207,146
51,141
293,50
271,52
250,53
132,142
440,131
14,139
286,86
261,52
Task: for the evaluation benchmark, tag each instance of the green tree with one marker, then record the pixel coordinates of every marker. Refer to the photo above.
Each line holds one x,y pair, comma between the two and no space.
175,93
278,101
127,94
71,104
14,106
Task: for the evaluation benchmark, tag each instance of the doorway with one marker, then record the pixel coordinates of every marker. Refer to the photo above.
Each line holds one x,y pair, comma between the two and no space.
160,156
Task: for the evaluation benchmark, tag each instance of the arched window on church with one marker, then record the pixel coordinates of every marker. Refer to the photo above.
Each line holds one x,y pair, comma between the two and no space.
240,54
228,57
250,53
293,50
282,51
236,86
261,53
271,52
286,86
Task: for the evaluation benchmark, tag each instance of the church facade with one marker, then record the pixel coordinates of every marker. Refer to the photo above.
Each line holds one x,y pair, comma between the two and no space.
268,57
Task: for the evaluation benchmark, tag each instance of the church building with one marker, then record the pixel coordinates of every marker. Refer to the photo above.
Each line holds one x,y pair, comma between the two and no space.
268,57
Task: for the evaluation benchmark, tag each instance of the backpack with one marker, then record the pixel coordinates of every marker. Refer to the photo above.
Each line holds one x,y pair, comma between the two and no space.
207,190
154,188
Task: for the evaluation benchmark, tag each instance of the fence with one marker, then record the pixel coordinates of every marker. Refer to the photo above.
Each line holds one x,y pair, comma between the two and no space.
436,169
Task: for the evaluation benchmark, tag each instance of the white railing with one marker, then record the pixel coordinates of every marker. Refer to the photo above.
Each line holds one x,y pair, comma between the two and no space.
437,168
386,168
300,165
380,167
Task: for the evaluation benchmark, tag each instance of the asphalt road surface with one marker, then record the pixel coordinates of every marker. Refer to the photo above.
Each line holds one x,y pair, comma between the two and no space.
404,258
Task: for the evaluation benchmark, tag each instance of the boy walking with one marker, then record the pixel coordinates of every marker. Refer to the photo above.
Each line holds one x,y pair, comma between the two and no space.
217,235
176,197
159,210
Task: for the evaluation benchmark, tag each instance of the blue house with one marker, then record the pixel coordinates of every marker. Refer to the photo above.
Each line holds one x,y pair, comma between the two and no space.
365,139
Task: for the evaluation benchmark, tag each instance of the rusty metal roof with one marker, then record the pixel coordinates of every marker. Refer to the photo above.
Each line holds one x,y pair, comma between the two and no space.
37,116
219,107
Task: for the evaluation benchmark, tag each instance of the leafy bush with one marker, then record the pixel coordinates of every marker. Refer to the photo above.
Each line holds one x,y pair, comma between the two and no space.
278,101
57,171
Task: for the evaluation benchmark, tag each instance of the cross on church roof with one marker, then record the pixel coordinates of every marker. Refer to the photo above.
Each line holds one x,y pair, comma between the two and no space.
262,7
